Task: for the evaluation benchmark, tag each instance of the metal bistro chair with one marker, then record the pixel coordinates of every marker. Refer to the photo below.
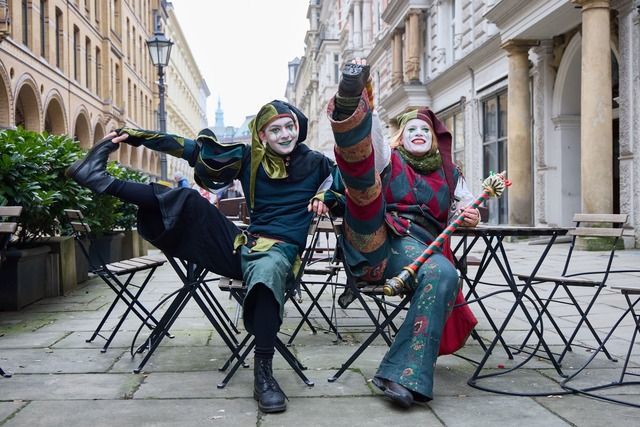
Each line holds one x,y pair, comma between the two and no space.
111,273
238,290
629,370
608,229
6,232
379,309
322,269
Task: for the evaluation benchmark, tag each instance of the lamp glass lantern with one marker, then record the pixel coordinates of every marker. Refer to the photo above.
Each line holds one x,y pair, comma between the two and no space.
159,49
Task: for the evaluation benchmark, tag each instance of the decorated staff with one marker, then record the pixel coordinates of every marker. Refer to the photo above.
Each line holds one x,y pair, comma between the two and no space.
494,185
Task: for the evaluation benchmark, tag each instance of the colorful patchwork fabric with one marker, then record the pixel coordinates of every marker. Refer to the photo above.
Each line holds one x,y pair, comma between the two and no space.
364,218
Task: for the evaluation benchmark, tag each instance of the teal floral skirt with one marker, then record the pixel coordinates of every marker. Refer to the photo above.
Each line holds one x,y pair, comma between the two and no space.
411,359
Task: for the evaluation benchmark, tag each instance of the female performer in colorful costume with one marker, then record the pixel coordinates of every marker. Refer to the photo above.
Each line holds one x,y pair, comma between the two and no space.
286,184
398,201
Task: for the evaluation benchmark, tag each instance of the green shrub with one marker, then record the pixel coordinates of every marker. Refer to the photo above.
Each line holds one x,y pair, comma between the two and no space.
32,169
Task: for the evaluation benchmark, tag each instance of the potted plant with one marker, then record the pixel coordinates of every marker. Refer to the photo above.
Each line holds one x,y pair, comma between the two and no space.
32,169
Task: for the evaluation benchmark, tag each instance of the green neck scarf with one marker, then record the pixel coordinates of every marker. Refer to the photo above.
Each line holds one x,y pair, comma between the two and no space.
272,163
423,165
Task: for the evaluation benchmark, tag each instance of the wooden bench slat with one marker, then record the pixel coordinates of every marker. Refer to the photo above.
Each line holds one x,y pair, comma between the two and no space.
11,211
602,218
596,232
134,264
8,227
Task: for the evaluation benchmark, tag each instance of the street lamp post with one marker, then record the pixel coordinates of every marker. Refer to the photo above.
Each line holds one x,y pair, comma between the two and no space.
160,51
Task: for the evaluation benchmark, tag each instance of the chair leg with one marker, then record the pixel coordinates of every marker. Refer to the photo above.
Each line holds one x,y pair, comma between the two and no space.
379,330
609,396
5,374
585,320
314,303
544,311
241,358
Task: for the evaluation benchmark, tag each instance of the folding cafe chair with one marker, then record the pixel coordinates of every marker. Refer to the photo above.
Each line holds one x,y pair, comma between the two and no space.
607,229
6,231
238,290
321,269
118,276
379,309
629,372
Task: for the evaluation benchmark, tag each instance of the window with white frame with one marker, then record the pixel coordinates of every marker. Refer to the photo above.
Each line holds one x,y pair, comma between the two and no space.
454,122
494,150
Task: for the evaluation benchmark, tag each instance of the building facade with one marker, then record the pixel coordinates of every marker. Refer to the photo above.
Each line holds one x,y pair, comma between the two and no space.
82,68
547,90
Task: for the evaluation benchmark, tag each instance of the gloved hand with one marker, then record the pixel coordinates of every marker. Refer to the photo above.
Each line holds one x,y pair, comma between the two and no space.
353,79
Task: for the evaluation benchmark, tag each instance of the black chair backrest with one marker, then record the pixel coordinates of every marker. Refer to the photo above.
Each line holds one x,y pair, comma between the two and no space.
82,231
235,208
8,227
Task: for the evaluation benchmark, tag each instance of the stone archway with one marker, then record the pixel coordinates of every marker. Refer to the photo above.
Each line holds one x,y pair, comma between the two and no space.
134,159
565,155
98,132
54,117
82,131
27,108
145,162
122,155
566,113
5,101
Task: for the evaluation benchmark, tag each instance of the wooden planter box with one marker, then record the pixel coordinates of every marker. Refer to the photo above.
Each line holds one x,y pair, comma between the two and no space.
131,244
25,277
82,264
109,247
63,250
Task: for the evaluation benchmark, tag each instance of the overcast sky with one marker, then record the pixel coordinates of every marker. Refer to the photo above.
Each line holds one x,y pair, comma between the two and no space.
242,48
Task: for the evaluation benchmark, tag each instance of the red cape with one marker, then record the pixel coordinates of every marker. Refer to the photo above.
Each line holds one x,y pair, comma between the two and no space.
461,321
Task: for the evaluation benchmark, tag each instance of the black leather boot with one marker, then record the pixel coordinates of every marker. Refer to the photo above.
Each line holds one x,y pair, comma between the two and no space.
395,392
354,78
266,389
91,171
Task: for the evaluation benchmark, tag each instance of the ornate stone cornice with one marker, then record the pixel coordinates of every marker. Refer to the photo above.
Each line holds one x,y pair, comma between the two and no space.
396,11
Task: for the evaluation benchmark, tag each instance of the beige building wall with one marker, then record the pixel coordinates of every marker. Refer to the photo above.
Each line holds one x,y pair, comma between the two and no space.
474,62
82,68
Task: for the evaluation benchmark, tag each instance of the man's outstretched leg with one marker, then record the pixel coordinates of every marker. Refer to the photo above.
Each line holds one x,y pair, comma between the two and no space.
91,171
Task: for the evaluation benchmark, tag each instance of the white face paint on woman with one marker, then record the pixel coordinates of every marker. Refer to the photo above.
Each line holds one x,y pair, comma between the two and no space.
281,135
417,137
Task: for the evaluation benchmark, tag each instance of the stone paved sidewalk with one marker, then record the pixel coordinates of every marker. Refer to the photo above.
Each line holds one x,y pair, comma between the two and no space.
60,379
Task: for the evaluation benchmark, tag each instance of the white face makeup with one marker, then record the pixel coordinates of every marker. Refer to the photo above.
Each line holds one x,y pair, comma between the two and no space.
417,137
281,135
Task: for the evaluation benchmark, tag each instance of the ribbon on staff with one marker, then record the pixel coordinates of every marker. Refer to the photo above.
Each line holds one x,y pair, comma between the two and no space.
493,186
